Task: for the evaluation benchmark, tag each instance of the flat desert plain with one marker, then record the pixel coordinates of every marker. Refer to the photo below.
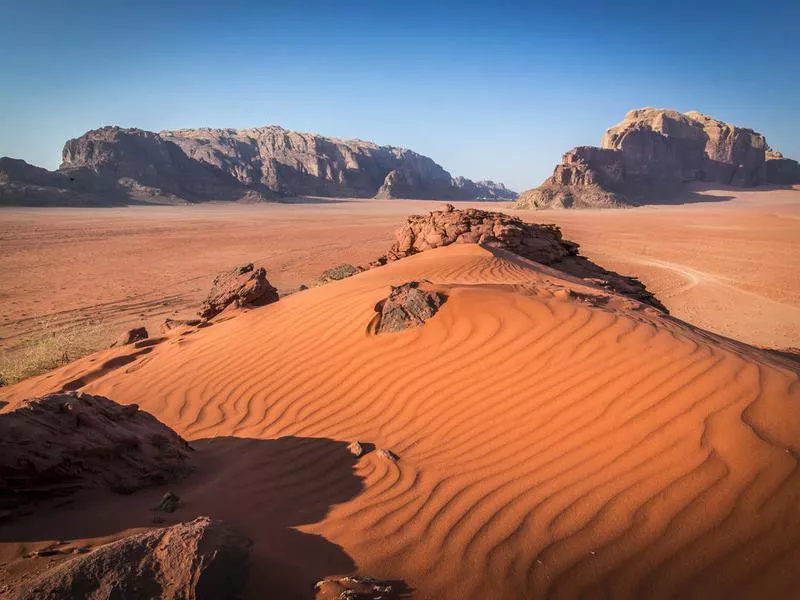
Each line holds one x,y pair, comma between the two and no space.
729,264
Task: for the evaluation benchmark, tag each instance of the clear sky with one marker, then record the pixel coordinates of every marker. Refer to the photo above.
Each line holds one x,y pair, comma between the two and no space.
491,90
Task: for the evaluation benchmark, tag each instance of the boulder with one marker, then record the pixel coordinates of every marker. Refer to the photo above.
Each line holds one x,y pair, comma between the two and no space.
55,445
243,286
408,305
198,560
651,154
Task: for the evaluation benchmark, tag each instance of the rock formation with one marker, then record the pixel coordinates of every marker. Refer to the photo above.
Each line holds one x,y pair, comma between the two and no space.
54,445
408,305
114,165
651,154
199,560
243,286
540,243
131,337
24,184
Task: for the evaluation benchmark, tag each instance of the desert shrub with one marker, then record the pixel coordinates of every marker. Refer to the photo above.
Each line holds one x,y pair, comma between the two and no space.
51,346
339,272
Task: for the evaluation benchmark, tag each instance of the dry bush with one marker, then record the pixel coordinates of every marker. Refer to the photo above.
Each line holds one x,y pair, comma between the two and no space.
51,346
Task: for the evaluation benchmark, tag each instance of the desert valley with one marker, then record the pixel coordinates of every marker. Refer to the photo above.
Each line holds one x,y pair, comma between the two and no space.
256,363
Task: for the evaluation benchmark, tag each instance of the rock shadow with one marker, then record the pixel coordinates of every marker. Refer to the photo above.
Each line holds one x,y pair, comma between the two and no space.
263,488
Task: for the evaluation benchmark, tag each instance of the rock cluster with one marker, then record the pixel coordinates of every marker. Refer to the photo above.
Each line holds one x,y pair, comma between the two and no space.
651,154
408,305
243,286
55,445
198,560
542,243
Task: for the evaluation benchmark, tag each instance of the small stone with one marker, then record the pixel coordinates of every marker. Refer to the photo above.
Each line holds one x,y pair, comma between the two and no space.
356,449
387,454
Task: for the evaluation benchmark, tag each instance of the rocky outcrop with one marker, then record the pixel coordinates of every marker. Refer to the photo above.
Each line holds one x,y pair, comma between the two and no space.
651,154
540,243
251,165
150,167
408,305
483,190
55,445
243,286
293,163
199,560
25,184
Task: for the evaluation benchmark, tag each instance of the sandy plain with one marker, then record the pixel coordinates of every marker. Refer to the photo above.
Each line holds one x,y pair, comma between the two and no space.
729,264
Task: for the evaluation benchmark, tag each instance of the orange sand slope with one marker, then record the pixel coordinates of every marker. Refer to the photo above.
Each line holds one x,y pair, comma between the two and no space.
553,440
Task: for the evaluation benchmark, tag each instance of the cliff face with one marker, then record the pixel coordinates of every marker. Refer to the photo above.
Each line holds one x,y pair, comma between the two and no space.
651,153
260,163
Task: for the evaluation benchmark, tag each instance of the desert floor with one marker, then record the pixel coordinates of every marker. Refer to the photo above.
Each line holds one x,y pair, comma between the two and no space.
729,264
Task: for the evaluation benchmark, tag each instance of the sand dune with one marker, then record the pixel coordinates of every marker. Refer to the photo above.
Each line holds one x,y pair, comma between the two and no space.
553,440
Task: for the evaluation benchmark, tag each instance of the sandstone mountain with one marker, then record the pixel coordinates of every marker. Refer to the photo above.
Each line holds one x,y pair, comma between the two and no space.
250,165
651,154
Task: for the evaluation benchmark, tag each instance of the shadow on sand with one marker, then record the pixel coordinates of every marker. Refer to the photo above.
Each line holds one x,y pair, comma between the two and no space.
264,488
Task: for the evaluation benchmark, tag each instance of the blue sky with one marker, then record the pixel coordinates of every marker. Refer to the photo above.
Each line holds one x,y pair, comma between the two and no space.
497,90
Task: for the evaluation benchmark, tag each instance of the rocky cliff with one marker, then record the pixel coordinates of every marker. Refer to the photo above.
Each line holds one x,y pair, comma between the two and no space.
251,165
651,154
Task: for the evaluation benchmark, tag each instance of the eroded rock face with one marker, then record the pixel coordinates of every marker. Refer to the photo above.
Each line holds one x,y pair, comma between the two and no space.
55,445
199,560
131,336
249,165
243,286
148,166
651,154
408,305
542,243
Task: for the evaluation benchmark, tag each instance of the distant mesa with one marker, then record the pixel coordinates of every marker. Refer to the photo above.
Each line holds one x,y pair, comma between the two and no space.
116,165
651,154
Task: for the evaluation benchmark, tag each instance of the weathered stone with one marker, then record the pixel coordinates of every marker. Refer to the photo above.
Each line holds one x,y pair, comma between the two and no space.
198,560
172,324
132,336
356,587
408,305
54,445
356,449
243,286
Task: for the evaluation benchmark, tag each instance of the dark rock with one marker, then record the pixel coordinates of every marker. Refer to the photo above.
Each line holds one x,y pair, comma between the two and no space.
198,560
55,445
338,272
243,286
131,336
387,454
169,502
407,305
